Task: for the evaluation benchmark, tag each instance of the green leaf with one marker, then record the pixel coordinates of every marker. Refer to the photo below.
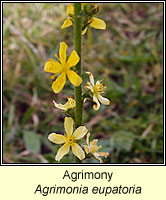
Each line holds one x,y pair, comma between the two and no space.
122,140
11,115
32,141
27,115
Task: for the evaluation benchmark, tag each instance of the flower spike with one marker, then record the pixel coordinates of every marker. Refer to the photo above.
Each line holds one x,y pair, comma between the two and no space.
88,18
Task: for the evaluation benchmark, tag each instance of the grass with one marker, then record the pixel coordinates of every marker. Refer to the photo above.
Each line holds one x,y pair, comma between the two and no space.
128,54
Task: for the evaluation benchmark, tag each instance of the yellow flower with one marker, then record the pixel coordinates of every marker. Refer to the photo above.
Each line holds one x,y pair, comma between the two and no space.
62,68
97,89
93,22
69,105
69,140
93,149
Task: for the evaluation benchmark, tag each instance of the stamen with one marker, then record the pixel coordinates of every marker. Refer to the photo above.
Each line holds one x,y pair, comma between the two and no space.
56,56
52,77
62,56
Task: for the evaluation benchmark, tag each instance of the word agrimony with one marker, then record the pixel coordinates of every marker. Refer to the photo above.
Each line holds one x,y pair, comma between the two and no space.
74,176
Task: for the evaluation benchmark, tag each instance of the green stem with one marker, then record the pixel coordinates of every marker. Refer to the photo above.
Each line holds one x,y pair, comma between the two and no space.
77,40
78,90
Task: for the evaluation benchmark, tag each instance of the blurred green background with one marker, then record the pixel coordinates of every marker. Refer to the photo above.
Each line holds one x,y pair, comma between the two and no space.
128,55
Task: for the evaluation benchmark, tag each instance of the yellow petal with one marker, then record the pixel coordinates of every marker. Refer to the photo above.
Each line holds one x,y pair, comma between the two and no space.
94,142
84,31
68,105
62,52
62,151
67,23
73,59
98,23
72,102
91,77
105,154
58,84
57,138
103,100
77,151
87,149
60,106
68,124
70,10
89,86
79,132
99,82
101,161
87,138
52,67
96,104
74,78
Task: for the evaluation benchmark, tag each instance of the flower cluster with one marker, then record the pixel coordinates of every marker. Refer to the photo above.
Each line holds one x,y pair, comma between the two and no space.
88,12
62,67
